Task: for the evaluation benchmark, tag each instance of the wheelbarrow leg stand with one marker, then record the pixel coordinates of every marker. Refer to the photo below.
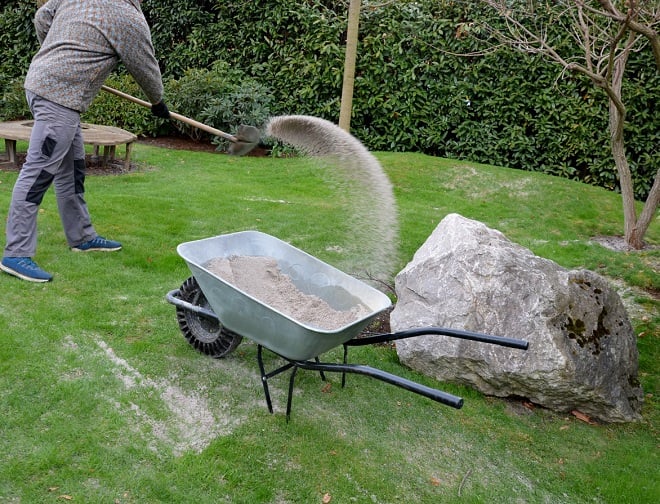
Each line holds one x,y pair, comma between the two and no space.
289,399
343,373
292,378
266,376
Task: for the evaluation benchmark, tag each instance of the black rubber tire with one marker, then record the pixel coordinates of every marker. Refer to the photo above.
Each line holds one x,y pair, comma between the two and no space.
206,335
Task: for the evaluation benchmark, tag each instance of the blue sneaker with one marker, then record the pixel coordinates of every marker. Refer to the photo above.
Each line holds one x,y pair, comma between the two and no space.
25,269
98,243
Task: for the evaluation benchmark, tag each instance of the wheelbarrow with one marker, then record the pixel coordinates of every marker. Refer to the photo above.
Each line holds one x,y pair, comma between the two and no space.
214,315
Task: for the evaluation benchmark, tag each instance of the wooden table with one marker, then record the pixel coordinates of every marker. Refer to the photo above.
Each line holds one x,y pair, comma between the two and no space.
93,134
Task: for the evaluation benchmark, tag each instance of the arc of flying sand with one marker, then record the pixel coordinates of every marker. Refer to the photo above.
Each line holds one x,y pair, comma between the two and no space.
372,252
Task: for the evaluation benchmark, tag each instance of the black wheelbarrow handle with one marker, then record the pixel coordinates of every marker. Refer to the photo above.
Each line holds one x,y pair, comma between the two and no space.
442,331
173,298
418,388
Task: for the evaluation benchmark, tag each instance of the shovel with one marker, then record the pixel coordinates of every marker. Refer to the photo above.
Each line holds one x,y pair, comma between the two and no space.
245,140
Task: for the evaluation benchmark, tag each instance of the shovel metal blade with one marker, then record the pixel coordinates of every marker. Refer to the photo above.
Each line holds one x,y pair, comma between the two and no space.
247,138
240,148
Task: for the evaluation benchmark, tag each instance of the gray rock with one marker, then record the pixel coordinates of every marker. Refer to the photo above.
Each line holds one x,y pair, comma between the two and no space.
582,349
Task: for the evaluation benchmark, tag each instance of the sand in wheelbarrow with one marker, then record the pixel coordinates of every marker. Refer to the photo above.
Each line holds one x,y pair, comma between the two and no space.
261,278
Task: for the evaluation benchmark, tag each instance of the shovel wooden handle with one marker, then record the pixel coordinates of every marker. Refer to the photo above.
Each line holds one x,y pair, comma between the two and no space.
178,117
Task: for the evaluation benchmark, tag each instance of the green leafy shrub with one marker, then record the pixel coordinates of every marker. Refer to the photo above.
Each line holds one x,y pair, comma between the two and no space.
171,24
412,91
14,104
221,97
295,48
18,40
116,111
18,43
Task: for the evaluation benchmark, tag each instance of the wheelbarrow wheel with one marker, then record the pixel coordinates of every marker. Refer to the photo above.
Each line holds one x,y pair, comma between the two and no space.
205,334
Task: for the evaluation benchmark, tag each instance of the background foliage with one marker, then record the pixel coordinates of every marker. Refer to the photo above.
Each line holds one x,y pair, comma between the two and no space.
412,91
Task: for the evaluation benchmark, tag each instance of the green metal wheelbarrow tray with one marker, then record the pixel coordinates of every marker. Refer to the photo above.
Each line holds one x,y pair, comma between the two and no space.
214,315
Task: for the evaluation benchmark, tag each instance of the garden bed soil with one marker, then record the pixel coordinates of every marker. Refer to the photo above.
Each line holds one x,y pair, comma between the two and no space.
116,166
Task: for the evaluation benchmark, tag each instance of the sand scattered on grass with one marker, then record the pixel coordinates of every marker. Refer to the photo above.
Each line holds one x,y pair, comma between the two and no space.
189,422
192,425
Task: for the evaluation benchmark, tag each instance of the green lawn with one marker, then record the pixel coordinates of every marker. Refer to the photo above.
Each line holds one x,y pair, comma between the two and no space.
102,400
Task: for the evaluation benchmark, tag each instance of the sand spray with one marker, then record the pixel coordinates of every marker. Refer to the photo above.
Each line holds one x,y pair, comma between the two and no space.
371,252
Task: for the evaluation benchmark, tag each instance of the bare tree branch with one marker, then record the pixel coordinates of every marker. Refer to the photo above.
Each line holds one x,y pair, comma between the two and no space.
605,36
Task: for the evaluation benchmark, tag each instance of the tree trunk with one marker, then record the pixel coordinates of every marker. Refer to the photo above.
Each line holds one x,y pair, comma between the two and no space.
648,212
633,234
634,228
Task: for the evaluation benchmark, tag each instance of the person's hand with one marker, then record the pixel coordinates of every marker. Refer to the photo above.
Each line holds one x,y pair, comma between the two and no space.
160,110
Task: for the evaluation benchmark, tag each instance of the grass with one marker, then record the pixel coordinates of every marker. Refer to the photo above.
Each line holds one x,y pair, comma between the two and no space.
104,401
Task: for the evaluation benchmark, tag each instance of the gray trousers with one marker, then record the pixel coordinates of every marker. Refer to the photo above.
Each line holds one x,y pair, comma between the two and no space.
56,156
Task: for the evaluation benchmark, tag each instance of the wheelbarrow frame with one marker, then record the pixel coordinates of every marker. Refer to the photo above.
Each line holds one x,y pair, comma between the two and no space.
223,313
230,340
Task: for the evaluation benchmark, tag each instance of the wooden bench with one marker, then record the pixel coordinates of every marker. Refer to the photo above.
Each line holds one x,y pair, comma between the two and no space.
93,134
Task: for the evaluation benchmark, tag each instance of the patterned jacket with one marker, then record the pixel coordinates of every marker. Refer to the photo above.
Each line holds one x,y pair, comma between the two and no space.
82,41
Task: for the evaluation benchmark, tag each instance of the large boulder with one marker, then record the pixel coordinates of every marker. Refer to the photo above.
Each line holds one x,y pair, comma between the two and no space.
582,349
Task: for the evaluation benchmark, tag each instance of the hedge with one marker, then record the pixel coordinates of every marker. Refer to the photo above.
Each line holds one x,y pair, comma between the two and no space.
412,91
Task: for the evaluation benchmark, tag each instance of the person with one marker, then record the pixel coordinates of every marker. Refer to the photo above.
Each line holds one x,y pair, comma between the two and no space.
81,43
